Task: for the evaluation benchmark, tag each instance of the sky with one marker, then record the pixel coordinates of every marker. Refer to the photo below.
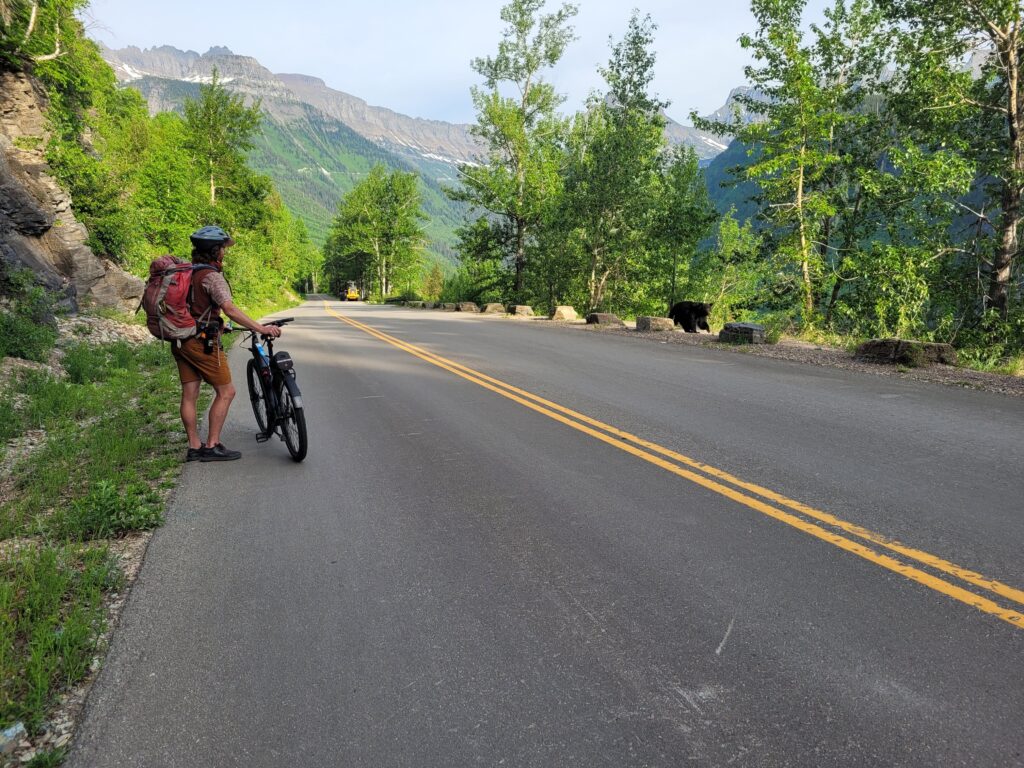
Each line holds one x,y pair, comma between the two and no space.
414,57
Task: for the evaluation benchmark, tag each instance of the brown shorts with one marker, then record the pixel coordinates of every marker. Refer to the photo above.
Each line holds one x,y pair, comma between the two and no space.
194,364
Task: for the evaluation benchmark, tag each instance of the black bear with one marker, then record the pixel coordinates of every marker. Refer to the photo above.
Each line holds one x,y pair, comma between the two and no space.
691,315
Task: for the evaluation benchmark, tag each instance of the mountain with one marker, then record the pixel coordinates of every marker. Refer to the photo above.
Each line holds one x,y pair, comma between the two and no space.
313,156
318,142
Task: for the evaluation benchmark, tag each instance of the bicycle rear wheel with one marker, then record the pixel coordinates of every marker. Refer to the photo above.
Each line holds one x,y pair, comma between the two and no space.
257,396
293,425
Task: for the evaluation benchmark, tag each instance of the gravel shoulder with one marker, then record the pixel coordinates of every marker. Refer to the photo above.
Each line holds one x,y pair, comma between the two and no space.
804,353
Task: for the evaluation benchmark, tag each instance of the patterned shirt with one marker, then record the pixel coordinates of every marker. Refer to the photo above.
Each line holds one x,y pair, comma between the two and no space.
209,287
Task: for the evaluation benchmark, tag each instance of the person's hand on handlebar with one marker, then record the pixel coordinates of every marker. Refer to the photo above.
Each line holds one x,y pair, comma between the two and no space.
273,331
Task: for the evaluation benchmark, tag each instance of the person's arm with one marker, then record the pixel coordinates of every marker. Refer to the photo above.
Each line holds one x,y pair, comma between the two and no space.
231,310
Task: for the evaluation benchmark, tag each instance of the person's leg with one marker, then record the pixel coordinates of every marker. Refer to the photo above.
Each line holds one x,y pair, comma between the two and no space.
189,400
223,395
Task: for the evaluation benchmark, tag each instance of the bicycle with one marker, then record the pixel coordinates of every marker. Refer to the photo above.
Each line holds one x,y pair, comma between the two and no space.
274,393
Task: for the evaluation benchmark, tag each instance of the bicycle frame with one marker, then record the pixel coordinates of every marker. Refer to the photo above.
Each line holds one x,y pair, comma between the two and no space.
276,372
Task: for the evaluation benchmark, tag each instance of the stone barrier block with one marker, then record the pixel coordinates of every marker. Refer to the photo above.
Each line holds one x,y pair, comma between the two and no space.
564,313
448,307
429,304
493,309
742,333
520,310
645,323
467,306
914,354
415,304
603,318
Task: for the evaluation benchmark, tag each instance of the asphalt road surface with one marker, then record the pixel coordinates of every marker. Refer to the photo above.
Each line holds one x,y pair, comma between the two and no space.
527,545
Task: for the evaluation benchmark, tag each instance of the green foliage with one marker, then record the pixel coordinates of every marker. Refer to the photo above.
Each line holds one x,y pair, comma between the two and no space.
27,326
51,616
219,130
521,132
108,510
143,184
731,274
433,283
376,239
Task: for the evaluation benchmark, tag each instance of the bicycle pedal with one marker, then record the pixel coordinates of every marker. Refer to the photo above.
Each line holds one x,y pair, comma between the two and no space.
262,437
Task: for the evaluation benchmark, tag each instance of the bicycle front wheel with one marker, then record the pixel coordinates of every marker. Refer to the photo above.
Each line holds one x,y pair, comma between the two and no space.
257,396
293,425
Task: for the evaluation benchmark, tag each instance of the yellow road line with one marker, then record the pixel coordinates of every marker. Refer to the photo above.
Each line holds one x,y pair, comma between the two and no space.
616,437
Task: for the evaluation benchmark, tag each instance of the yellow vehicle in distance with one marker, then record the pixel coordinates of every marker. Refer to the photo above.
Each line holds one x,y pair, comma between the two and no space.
352,292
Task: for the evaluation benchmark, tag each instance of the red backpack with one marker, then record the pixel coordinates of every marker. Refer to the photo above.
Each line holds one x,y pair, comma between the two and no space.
168,296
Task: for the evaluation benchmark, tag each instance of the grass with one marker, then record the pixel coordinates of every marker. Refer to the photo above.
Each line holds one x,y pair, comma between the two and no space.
113,447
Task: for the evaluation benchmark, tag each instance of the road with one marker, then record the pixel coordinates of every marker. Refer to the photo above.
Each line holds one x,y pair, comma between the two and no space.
544,546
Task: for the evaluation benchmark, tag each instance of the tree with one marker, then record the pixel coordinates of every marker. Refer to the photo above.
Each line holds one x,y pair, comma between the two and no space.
964,75
520,132
684,216
377,236
807,149
37,32
220,129
433,283
612,175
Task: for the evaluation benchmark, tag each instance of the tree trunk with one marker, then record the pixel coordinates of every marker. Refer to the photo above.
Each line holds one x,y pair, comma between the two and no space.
520,259
805,267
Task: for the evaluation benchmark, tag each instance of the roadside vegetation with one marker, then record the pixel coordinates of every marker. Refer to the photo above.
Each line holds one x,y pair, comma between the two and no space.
90,445
876,185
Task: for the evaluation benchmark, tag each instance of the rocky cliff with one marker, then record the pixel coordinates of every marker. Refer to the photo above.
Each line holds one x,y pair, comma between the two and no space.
38,230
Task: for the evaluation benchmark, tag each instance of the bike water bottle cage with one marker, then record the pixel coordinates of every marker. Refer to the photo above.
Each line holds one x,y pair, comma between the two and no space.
283,361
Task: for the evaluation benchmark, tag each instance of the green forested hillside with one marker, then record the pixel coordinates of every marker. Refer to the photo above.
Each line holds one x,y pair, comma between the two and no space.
722,185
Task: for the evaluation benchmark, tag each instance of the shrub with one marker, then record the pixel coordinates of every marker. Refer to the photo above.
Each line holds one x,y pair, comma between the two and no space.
106,511
20,336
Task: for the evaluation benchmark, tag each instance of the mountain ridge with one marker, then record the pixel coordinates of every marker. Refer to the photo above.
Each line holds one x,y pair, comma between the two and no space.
433,138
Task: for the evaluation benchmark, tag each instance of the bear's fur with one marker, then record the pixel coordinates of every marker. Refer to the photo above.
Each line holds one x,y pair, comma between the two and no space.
691,315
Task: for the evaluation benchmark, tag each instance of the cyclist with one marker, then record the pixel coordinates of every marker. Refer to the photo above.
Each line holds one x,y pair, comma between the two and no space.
201,357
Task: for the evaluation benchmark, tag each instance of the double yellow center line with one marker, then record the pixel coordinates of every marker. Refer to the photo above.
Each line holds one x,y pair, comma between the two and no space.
814,522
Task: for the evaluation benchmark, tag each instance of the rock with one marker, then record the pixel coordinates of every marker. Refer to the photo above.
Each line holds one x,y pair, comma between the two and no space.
429,304
37,228
565,313
742,333
415,304
603,318
493,309
913,354
520,310
449,307
11,737
467,306
645,323
117,289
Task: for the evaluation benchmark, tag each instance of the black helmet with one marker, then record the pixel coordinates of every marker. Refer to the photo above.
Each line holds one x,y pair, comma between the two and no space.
208,236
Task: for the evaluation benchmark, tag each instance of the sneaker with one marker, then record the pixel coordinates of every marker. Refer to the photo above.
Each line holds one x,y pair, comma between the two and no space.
218,452
194,454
